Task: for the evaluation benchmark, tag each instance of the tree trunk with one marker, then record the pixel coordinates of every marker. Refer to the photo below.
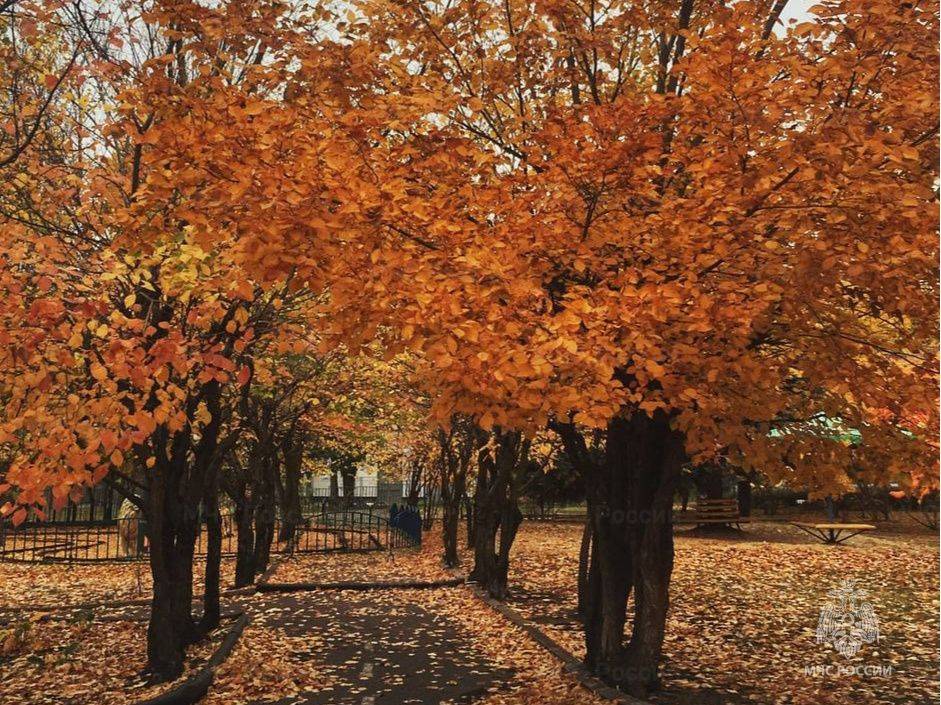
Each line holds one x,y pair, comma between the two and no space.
744,497
457,448
291,513
652,548
496,509
245,541
584,553
708,479
172,527
415,484
211,607
470,517
264,537
487,522
349,485
451,501
509,526
430,506
178,483
630,497
334,485
265,511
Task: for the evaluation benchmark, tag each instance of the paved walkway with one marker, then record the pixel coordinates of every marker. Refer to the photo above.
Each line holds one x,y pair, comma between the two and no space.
380,652
378,647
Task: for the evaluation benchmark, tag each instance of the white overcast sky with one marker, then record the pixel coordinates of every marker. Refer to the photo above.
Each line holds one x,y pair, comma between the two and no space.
797,9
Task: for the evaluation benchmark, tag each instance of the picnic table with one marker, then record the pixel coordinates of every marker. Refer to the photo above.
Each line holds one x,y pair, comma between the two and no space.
832,533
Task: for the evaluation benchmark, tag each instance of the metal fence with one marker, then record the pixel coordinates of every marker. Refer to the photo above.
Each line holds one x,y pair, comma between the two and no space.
97,504
553,511
124,539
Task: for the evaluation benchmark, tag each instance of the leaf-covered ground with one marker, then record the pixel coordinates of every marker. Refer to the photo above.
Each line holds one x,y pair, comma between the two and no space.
423,563
741,628
745,607
83,661
61,584
388,647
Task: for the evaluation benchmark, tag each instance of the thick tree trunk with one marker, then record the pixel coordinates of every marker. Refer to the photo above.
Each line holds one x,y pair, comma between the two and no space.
509,526
349,485
264,536
430,507
457,448
452,490
172,527
265,512
652,548
178,483
415,484
487,525
630,497
708,479
496,510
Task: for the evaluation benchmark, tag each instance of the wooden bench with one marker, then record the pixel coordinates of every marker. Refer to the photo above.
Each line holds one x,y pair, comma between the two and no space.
714,512
832,533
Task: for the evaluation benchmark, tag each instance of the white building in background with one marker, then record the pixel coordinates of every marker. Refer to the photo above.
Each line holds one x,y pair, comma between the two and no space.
367,483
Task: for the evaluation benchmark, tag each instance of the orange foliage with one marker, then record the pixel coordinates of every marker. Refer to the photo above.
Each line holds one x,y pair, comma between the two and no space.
562,210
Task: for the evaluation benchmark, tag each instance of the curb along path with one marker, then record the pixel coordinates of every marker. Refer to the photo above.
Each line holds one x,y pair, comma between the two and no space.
571,664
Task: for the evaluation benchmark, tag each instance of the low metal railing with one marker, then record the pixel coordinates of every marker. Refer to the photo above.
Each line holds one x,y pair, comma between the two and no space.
124,539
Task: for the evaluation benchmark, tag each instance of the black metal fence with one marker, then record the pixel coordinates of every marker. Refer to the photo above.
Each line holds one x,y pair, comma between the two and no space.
553,511
124,539
97,504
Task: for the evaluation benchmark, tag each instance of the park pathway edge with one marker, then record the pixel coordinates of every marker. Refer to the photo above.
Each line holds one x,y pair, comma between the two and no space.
362,585
196,686
571,664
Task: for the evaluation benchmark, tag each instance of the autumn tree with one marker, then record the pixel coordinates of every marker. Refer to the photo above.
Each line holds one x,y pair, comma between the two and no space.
667,224
668,221
127,310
